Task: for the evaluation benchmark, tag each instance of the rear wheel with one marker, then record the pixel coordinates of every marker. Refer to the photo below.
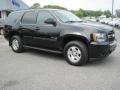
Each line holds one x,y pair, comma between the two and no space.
76,53
16,44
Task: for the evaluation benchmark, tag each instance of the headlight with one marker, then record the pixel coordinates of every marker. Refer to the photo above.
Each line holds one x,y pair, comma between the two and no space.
99,37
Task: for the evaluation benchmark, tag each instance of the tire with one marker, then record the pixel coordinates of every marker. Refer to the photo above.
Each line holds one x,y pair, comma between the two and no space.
76,53
16,44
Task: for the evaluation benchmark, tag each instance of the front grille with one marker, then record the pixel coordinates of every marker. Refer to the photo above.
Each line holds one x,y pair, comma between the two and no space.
111,36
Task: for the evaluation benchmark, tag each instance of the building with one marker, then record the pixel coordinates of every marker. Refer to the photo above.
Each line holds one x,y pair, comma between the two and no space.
7,6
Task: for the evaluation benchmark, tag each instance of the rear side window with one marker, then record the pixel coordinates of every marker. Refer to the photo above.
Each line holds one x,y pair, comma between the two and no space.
29,18
13,18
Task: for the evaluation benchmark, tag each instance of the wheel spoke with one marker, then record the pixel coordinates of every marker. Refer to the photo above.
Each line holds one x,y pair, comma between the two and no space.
15,44
74,54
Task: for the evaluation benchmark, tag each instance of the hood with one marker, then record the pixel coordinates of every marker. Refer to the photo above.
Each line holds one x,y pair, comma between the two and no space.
93,26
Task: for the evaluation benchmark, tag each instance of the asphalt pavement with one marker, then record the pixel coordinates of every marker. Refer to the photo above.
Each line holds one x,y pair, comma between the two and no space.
37,70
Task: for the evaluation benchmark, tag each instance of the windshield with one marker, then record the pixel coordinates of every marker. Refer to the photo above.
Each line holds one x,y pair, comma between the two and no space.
66,16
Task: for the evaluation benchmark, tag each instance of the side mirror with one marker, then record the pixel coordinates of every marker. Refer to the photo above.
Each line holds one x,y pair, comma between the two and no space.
50,21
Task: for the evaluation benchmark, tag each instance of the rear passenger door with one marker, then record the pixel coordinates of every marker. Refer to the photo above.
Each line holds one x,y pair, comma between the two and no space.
28,27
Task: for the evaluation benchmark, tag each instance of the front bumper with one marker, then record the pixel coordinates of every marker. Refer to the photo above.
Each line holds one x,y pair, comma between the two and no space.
101,50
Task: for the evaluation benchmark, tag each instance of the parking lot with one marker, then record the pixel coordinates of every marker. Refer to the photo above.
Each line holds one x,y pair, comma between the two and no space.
37,70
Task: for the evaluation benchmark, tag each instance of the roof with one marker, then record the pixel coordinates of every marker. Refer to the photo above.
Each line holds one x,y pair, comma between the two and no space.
44,9
11,5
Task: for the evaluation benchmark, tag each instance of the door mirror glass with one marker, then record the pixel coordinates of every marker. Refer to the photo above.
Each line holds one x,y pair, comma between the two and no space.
50,21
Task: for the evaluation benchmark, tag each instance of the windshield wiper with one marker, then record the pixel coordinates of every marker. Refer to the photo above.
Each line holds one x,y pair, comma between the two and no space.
72,21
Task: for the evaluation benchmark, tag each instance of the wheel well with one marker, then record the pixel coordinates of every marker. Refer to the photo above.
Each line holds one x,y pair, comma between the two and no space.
11,35
73,38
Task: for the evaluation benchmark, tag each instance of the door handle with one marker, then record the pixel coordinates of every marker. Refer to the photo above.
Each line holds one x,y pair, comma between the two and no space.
37,28
20,27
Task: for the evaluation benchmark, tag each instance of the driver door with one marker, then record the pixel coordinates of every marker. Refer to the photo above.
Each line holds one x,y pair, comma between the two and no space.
47,34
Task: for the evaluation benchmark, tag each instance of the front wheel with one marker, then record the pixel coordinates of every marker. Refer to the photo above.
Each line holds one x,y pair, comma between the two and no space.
76,53
16,44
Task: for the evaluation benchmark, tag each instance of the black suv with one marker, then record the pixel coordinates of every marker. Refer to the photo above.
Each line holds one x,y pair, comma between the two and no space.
61,32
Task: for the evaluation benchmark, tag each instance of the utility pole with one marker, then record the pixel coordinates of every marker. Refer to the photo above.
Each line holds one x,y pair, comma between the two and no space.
112,9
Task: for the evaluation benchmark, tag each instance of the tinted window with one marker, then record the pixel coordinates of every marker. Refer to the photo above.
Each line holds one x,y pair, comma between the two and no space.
14,17
42,16
29,18
0,14
66,16
7,12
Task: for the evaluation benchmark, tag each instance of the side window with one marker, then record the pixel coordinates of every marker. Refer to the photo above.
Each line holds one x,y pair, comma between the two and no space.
0,14
42,16
14,17
29,18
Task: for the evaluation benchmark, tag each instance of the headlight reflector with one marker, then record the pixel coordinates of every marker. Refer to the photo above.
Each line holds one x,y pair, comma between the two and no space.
99,37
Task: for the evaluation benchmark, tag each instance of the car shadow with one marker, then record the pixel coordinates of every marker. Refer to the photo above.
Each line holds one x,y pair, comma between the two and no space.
54,56
44,54
9,84
102,62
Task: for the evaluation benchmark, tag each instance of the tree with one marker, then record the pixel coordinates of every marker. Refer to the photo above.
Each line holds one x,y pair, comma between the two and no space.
35,5
85,13
79,13
98,13
107,13
54,7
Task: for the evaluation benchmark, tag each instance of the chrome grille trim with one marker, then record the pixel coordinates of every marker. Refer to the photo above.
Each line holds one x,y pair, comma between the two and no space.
111,36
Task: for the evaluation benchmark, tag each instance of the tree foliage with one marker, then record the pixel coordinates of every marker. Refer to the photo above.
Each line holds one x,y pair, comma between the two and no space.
54,7
85,13
80,12
107,13
35,5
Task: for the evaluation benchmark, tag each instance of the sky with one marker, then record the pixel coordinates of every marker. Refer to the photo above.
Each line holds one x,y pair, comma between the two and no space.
76,4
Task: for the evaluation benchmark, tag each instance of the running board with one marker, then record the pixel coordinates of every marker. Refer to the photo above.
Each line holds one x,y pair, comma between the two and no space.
42,49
